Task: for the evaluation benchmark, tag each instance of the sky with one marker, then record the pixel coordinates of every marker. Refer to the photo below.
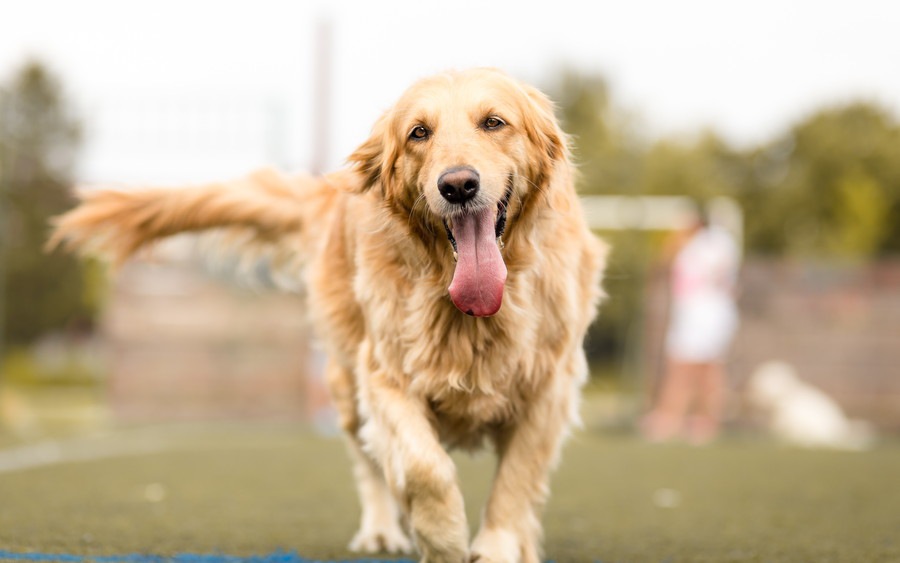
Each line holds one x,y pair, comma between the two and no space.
242,72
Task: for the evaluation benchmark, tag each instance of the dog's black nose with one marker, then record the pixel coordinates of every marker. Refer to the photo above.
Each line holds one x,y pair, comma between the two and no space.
459,184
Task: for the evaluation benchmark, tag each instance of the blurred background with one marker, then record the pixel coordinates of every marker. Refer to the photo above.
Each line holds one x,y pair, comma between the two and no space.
162,408
785,114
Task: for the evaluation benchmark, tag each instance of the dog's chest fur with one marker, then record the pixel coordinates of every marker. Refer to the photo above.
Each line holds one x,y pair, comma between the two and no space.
476,374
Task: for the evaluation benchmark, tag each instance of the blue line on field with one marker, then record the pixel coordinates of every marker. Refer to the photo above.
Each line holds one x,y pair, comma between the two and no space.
277,557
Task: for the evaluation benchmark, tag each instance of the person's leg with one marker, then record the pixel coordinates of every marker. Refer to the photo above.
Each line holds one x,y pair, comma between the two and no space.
666,419
710,403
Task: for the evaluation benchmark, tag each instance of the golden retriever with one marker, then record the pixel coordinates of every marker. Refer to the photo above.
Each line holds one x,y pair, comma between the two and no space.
452,276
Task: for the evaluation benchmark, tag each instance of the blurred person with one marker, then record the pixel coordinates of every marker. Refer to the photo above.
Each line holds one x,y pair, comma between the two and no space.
702,321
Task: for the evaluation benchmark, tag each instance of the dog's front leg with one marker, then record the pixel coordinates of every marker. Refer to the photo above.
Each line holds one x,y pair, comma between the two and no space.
418,470
380,527
527,450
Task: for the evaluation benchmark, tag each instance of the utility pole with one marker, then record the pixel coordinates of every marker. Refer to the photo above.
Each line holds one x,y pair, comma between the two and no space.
275,134
318,407
321,114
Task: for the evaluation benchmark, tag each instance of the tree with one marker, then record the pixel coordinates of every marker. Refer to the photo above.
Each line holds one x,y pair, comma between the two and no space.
38,139
607,147
829,188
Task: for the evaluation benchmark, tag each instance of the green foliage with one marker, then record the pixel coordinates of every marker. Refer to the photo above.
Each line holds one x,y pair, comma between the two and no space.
38,139
701,168
864,219
22,368
830,188
605,145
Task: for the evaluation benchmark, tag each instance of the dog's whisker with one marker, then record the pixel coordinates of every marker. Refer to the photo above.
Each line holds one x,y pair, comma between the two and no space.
412,211
531,183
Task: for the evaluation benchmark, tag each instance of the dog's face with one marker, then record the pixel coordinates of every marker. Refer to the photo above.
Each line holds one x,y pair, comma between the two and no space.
462,154
772,383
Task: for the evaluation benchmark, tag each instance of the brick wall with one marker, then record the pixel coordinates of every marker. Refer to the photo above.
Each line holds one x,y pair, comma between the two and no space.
184,346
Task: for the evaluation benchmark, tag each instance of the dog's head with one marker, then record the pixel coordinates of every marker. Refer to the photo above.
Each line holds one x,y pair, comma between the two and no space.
771,383
463,154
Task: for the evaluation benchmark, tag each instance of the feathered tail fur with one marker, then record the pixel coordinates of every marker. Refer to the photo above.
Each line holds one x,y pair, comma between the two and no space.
264,213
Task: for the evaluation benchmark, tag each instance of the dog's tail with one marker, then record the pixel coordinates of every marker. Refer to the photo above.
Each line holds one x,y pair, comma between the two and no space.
266,212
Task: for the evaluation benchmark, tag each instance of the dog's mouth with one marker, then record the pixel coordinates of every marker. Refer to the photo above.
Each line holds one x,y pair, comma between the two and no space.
480,274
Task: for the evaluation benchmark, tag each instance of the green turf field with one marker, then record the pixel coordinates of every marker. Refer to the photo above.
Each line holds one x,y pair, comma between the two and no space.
248,489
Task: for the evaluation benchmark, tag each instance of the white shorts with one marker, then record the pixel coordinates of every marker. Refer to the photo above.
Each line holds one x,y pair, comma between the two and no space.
701,329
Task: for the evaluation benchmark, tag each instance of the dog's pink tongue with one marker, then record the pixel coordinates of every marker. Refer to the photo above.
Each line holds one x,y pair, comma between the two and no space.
477,286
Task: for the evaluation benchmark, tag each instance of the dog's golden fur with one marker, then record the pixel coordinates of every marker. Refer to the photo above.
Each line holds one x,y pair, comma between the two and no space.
410,374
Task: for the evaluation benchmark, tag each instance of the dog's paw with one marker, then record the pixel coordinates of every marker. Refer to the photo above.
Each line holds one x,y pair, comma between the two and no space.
389,539
496,546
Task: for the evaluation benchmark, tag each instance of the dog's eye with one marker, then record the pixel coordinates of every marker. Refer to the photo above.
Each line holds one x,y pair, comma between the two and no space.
493,122
418,133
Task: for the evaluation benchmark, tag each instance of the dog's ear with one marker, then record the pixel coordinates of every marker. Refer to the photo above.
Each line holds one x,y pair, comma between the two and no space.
542,128
374,159
549,149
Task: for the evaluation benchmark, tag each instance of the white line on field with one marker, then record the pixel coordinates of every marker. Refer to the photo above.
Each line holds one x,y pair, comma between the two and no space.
54,452
149,440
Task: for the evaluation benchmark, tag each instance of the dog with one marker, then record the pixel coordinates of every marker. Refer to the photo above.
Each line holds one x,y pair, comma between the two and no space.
452,277
802,415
